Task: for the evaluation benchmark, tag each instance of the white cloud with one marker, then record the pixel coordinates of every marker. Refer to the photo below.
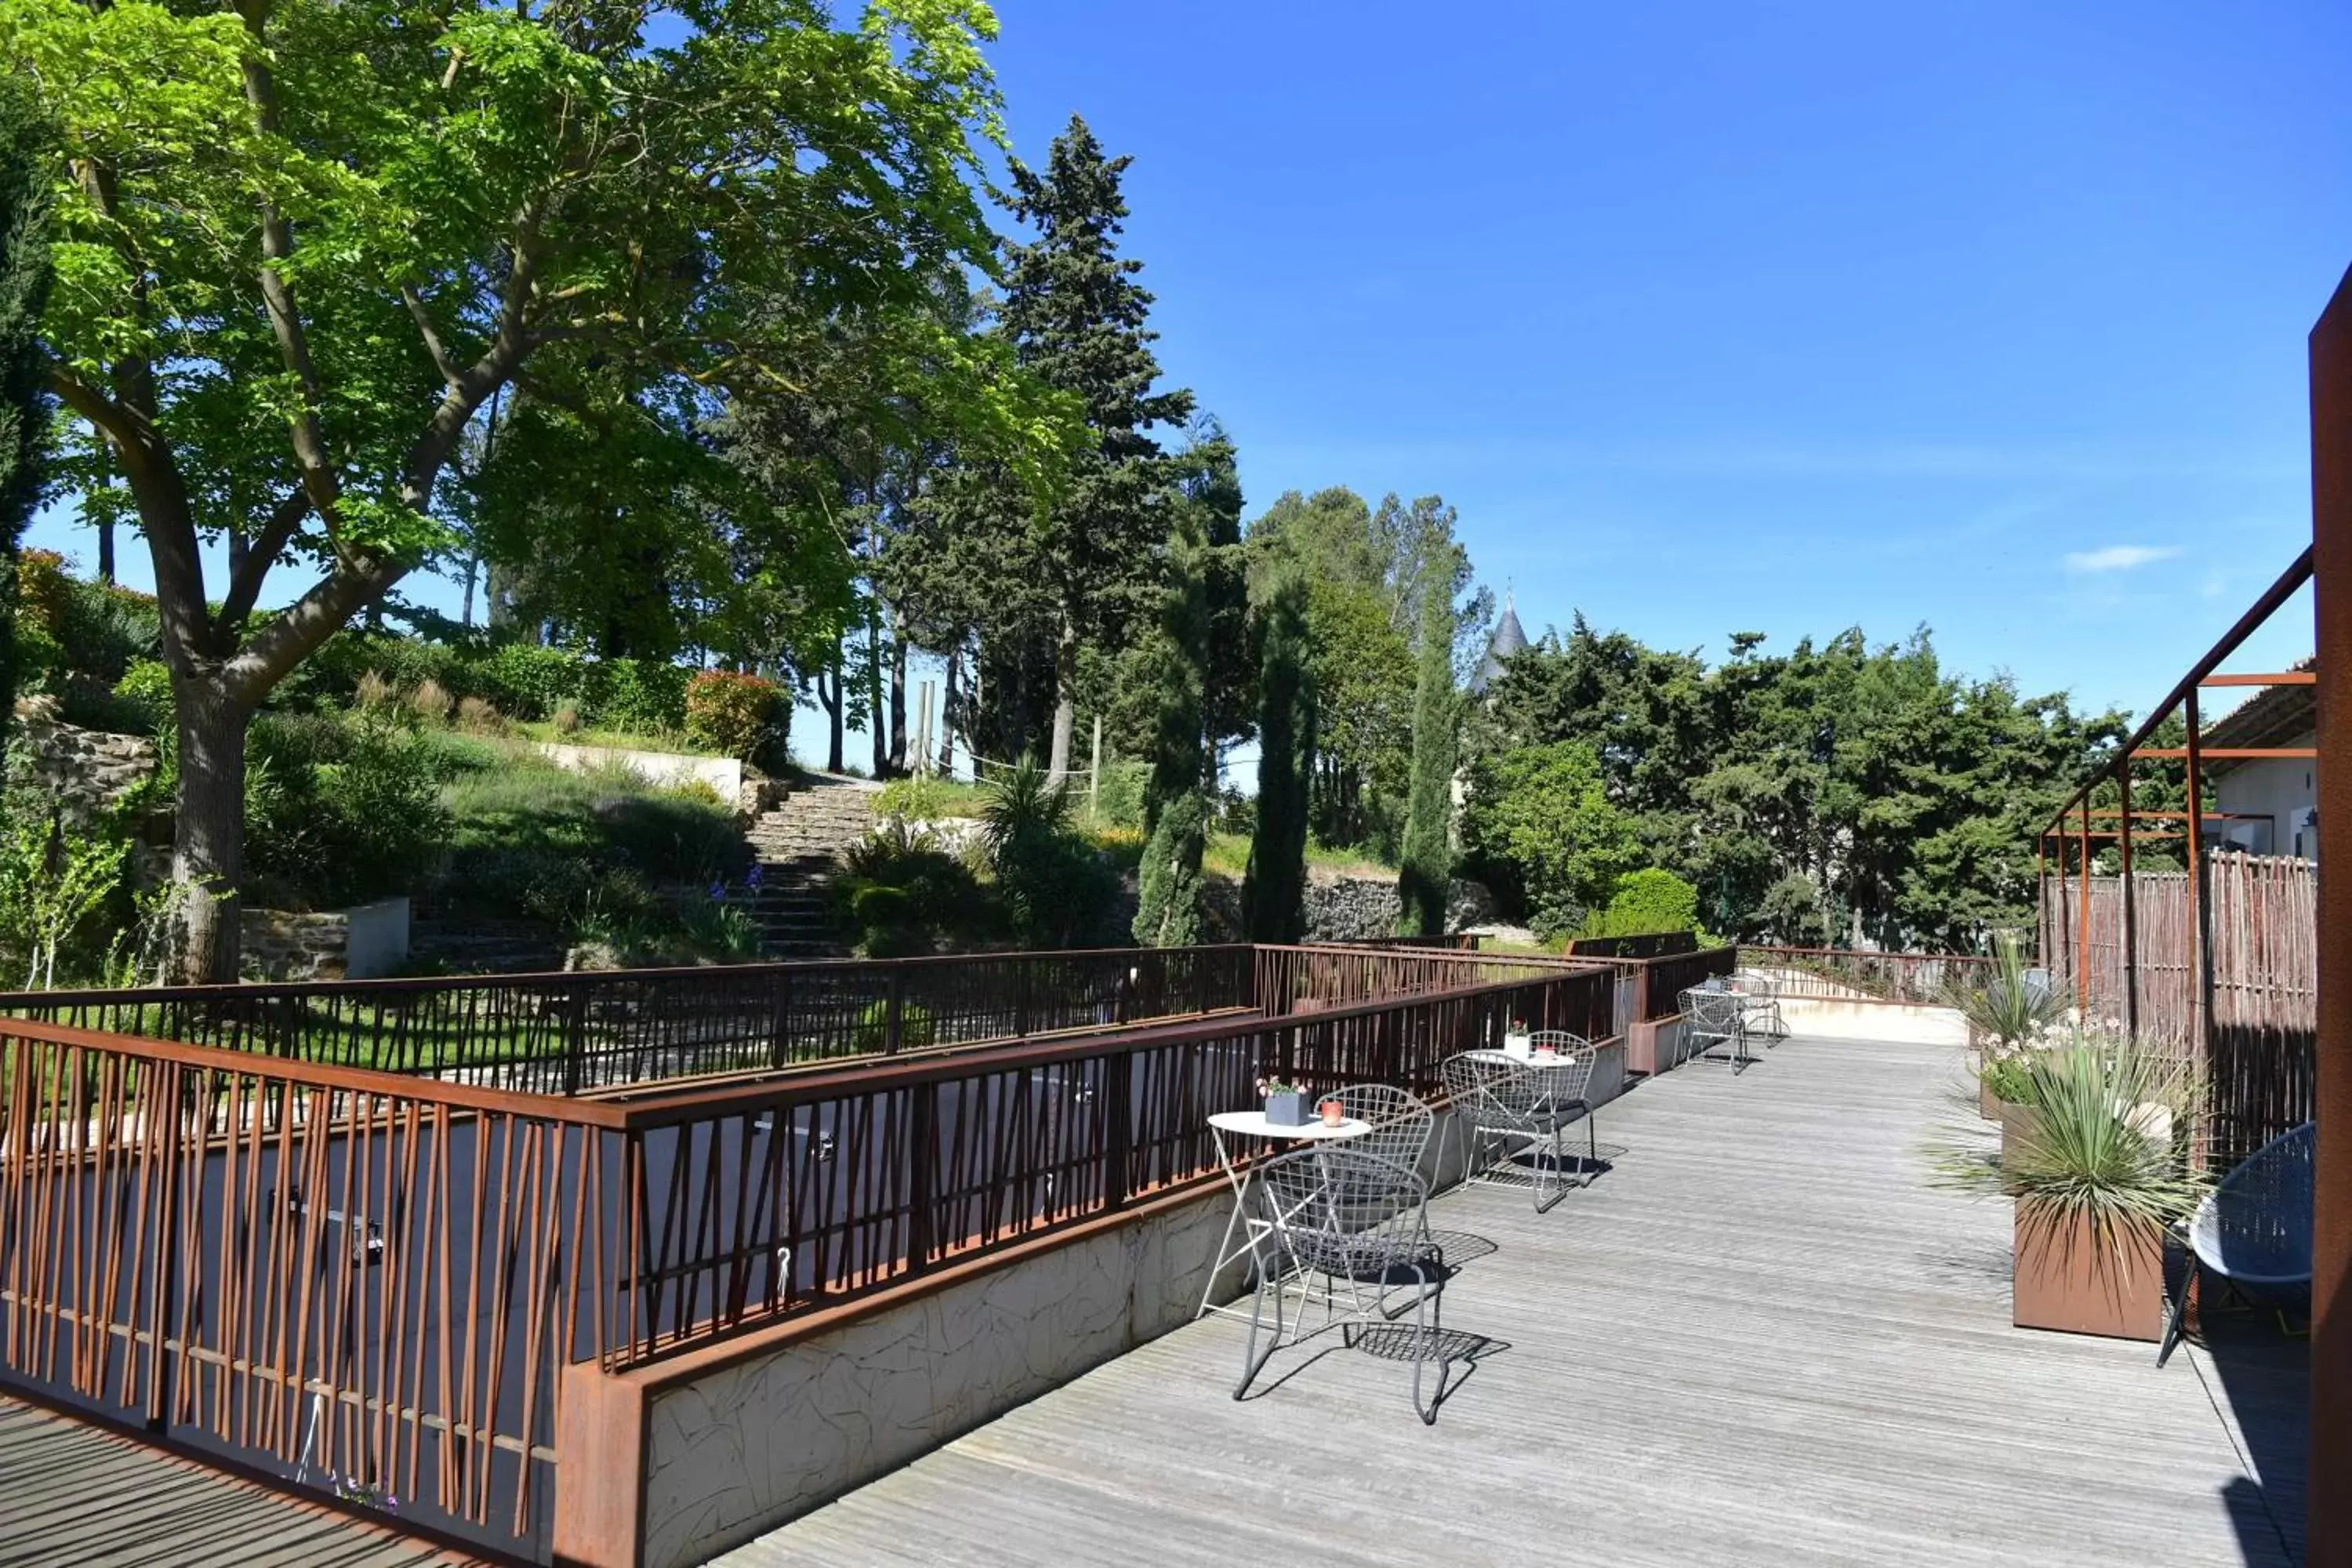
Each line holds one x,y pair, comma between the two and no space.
2119,557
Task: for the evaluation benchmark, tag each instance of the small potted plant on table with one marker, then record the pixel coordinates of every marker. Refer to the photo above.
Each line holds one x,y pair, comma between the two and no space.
1286,1104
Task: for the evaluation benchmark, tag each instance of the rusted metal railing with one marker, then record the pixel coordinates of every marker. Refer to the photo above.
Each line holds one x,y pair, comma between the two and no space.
1840,975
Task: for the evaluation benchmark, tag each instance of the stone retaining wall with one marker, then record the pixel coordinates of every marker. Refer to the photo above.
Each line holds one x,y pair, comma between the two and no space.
88,772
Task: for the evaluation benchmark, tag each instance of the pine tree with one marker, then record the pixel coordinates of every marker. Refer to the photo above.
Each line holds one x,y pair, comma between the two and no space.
1274,894
24,403
1428,871
1075,316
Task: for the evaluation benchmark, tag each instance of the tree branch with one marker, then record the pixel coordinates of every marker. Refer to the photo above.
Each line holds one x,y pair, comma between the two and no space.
310,454
261,554
425,330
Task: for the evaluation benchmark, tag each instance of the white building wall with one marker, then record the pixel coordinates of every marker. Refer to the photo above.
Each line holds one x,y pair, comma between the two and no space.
2279,788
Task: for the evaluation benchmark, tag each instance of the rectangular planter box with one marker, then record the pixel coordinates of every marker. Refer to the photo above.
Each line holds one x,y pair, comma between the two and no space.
2068,1281
1289,1109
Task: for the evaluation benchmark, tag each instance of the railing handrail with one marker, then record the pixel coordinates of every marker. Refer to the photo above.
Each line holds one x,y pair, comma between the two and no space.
542,979
660,1106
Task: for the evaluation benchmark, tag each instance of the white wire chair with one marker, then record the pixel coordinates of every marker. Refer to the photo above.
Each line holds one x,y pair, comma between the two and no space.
1400,1121
1717,1018
1763,993
1516,1107
1361,1223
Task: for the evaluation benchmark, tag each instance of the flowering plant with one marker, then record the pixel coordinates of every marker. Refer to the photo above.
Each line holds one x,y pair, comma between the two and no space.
1276,1085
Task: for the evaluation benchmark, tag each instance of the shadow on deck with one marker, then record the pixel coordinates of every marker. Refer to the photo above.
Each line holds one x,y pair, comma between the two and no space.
1763,1338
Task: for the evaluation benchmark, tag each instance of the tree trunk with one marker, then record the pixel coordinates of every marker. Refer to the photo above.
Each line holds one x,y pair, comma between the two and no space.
898,695
947,712
835,699
208,831
878,719
1066,698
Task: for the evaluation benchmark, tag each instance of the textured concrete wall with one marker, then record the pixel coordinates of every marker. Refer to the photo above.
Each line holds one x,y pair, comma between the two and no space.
1836,1020
724,774
750,1444
765,1439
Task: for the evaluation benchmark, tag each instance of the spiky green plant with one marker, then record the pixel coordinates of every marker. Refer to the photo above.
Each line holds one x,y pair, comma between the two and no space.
2103,1143
2011,1009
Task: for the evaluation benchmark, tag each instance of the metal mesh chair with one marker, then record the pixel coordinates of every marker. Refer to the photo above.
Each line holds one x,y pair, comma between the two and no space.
1361,1222
1763,993
1712,1018
1399,1121
1521,1108
2253,1231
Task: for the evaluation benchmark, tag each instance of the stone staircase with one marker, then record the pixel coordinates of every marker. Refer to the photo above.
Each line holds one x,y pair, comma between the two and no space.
799,845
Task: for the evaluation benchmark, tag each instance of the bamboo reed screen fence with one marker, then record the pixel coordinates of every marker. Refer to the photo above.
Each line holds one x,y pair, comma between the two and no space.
2260,933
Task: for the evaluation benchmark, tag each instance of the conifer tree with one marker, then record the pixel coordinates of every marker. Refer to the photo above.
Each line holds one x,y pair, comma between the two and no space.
24,401
1274,894
1075,316
1428,871
1175,816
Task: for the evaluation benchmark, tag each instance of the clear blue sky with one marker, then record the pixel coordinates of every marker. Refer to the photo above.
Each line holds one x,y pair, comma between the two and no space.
1988,316
1776,317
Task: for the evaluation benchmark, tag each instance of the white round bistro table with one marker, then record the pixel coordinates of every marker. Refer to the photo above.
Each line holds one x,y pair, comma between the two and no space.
1239,1125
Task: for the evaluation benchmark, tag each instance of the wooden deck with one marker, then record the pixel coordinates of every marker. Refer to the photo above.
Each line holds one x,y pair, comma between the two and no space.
1761,1339
73,1494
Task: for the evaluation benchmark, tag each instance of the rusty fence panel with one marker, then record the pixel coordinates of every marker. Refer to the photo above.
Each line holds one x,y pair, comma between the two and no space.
561,1034
1842,974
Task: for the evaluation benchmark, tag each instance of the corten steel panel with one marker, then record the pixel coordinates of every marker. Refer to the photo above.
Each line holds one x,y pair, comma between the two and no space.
2330,1524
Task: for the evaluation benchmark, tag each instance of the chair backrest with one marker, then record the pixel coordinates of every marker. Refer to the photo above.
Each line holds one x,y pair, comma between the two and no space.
2256,1226
1399,1119
1571,1075
1713,1012
1494,1087
1752,982
1331,1189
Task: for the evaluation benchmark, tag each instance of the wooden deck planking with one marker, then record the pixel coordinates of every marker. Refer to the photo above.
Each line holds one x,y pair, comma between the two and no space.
74,1494
1763,1338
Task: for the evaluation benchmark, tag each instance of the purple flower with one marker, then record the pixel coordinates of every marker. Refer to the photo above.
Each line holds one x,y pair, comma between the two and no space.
719,892
751,878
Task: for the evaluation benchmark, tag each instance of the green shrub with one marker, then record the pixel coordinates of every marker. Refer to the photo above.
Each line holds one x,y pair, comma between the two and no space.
645,696
875,906
1646,901
920,797
145,689
1057,889
917,1029
732,713
526,680
338,814
1118,802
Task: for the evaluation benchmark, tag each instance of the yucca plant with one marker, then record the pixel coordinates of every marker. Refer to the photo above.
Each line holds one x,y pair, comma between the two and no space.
2102,1143
2015,1006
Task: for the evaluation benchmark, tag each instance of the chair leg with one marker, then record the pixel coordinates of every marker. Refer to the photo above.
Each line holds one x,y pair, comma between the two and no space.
2176,1310
1559,1187
1251,1360
1428,1308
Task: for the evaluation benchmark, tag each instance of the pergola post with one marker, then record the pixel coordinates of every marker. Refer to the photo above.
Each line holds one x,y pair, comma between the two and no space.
2329,1498
2130,955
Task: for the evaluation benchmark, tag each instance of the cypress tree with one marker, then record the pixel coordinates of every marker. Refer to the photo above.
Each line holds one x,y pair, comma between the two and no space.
1428,871
1274,894
1169,911
24,400
1176,818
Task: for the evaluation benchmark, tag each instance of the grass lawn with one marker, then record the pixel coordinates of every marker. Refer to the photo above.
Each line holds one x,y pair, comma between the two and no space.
1228,855
621,740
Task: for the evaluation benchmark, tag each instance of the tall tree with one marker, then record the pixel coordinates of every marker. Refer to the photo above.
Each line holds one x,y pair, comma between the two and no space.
312,238
1427,875
26,161
1175,816
1075,316
1274,890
